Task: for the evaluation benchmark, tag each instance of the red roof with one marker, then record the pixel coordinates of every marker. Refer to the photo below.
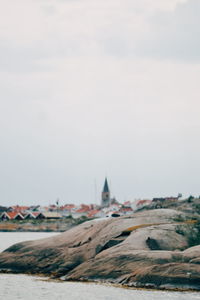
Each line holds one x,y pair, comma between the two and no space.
68,206
35,214
142,202
92,213
127,203
86,207
81,210
18,208
12,214
126,209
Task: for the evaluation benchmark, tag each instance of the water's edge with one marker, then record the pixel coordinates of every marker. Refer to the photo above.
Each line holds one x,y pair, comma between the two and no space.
146,287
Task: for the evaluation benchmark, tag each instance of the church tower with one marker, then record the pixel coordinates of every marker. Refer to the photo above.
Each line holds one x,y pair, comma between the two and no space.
105,196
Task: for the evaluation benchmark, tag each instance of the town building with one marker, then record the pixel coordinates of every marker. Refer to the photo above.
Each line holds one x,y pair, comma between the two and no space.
105,195
7,216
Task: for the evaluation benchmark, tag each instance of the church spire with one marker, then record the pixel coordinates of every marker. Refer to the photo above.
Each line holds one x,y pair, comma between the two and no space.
106,188
105,196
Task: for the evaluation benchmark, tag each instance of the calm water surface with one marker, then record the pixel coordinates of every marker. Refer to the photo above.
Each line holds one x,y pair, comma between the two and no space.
32,288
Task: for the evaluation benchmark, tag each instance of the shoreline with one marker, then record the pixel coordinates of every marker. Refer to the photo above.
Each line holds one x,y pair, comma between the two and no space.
40,226
150,287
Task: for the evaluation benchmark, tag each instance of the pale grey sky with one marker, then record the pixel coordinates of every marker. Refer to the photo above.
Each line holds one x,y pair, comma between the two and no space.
92,88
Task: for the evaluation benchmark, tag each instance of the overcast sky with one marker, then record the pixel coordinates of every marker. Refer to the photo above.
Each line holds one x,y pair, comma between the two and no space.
95,88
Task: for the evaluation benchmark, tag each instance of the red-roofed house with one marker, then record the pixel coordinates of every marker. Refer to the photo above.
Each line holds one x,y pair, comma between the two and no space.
34,215
126,210
11,216
67,207
19,209
127,203
142,203
94,214
81,211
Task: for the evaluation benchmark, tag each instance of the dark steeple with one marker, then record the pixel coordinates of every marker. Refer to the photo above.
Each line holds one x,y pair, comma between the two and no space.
106,188
105,195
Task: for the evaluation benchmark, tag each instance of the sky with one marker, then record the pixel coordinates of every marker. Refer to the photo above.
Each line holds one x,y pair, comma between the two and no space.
98,88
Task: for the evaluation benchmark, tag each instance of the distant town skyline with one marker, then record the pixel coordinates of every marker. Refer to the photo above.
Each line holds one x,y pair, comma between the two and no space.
99,88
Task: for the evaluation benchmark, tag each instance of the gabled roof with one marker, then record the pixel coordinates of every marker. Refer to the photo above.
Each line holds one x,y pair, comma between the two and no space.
125,209
67,207
127,203
92,213
142,202
12,215
18,208
81,210
34,215
106,188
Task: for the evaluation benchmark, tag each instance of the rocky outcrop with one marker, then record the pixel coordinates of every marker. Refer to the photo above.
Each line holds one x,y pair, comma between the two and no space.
148,248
